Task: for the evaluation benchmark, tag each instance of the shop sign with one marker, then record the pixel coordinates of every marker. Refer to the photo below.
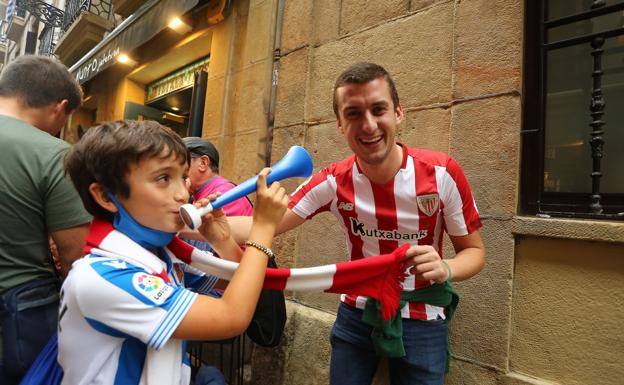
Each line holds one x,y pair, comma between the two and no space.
175,81
96,64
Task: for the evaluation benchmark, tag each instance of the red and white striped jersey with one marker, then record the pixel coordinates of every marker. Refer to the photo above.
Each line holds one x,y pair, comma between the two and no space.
428,196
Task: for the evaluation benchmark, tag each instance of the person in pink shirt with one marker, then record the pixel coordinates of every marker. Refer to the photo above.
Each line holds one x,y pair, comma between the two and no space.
204,176
204,180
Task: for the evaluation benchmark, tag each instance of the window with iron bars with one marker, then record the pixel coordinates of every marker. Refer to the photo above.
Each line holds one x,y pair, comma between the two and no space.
573,108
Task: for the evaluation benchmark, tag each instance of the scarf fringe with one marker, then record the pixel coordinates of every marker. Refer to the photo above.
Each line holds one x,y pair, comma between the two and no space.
390,295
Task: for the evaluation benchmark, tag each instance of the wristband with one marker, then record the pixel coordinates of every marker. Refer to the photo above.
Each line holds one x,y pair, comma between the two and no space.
450,276
264,249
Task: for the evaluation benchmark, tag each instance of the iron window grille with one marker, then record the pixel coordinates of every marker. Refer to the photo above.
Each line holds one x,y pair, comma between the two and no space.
572,143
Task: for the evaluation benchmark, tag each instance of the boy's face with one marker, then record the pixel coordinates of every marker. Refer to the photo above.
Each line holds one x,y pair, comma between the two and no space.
157,190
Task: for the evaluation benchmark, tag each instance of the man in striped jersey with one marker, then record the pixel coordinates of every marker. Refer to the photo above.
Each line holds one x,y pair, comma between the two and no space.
384,195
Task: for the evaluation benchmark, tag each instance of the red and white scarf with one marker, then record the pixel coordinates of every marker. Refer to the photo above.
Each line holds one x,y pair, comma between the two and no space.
378,277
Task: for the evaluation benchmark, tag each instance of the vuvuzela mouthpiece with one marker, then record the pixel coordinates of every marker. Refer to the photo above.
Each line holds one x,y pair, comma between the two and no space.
191,215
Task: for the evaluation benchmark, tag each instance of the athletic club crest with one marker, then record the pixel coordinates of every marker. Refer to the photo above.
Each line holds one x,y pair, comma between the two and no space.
428,203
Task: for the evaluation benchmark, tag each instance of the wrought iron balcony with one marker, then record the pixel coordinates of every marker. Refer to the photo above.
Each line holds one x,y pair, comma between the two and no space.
46,13
85,23
49,15
47,41
73,9
126,7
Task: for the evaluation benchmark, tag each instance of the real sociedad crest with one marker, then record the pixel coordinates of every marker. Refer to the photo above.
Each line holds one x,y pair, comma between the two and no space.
428,203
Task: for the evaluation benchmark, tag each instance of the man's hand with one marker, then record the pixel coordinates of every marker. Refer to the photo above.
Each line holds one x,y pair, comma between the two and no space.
426,264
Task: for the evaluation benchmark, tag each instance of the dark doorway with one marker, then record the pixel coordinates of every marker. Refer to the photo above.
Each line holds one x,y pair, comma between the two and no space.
177,122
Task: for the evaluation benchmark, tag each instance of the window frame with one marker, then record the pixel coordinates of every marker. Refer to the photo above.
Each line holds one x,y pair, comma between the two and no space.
534,200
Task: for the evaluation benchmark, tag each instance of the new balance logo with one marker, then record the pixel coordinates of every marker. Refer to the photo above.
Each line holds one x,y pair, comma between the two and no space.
116,264
359,229
345,206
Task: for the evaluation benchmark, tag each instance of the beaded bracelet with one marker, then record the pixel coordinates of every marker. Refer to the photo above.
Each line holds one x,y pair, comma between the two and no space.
450,276
264,249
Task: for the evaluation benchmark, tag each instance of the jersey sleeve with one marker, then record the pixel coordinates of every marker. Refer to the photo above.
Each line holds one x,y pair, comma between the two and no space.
198,281
461,216
314,195
120,299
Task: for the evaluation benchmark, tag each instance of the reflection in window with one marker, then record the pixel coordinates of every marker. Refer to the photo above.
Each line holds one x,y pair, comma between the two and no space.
567,153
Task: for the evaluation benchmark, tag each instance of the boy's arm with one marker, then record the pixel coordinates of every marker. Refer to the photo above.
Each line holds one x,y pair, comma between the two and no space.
218,318
212,318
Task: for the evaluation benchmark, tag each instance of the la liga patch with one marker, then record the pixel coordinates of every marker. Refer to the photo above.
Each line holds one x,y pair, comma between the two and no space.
153,288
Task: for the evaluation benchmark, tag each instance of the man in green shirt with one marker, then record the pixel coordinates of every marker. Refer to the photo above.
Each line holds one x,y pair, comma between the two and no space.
37,95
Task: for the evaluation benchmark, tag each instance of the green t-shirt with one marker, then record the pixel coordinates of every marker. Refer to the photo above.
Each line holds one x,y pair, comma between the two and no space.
35,199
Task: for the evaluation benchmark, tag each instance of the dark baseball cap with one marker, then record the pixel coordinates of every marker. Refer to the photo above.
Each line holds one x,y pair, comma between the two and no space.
202,147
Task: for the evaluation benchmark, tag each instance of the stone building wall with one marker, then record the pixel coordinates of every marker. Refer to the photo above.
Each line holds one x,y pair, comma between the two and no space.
239,83
457,65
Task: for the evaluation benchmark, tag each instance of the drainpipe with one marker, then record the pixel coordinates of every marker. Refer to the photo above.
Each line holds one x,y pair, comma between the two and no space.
274,79
198,102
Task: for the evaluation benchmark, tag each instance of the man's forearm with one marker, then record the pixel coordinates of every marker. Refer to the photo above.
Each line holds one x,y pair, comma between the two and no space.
469,258
240,228
228,249
467,263
70,243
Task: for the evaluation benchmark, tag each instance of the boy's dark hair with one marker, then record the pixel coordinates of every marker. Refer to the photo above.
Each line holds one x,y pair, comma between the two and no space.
361,73
105,153
39,81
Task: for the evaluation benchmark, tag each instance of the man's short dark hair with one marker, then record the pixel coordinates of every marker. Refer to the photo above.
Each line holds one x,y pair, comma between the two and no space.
39,81
105,153
362,73
198,147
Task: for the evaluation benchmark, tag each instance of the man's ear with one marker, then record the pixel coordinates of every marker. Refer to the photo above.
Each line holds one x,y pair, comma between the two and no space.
101,197
62,106
339,126
204,163
398,112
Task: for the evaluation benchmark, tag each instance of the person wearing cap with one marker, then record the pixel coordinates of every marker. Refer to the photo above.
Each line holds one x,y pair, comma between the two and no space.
204,180
204,176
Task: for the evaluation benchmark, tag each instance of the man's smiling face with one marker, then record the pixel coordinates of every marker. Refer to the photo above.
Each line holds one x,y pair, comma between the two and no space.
368,120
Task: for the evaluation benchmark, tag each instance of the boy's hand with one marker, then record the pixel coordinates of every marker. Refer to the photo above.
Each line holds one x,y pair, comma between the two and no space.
426,264
214,225
271,201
